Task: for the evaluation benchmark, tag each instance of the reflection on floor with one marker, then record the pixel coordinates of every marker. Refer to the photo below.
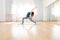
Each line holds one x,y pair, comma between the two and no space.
29,31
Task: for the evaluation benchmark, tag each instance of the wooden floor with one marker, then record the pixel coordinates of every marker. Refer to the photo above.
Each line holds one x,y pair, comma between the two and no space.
29,31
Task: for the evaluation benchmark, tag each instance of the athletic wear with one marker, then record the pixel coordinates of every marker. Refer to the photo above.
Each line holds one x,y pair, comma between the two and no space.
27,18
28,14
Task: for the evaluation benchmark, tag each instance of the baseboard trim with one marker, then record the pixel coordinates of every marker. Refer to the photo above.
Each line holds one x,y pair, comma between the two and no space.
28,21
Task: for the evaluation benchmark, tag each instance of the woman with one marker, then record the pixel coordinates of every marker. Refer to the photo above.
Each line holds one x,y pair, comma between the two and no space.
29,16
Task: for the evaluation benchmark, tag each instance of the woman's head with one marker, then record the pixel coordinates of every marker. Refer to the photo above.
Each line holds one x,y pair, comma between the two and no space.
32,14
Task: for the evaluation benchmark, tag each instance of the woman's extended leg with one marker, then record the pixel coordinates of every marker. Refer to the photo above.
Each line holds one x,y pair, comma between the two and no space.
23,19
32,20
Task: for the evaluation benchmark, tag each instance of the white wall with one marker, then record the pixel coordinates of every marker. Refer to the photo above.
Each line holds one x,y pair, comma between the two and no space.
2,10
5,7
56,10
8,4
47,15
5,10
21,7
39,13
44,10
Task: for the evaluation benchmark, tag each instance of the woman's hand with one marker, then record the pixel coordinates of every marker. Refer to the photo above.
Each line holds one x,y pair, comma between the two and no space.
33,9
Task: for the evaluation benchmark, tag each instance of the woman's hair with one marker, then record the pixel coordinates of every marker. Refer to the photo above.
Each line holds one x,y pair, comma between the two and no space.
32,14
